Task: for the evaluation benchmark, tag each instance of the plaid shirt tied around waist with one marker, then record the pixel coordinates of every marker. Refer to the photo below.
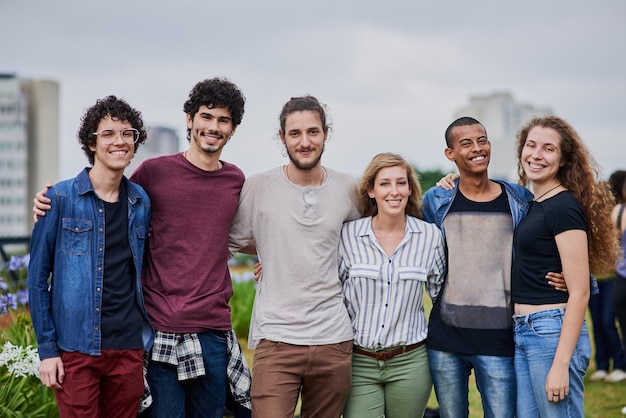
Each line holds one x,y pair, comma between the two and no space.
185,352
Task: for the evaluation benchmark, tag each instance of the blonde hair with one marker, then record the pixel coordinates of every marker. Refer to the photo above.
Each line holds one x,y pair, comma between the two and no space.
368,205
579,174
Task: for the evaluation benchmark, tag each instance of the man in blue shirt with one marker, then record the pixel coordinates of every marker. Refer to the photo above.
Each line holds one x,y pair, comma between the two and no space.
84,279
470,323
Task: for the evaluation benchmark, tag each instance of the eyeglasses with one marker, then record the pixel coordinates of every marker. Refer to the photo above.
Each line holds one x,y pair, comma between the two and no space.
128,135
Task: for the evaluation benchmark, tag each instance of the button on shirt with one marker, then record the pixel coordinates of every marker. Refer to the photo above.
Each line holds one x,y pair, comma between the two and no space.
384,295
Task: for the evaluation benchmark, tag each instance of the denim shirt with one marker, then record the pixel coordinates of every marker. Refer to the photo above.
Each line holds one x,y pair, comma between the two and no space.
67,247
437,201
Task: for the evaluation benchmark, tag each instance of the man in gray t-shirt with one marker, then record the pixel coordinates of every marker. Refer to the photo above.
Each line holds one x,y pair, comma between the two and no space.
300,328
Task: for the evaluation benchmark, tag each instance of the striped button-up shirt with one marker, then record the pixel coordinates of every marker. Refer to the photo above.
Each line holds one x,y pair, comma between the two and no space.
384,295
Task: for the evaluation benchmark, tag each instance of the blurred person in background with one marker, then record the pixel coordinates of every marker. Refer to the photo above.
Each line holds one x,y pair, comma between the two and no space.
619,285
605,336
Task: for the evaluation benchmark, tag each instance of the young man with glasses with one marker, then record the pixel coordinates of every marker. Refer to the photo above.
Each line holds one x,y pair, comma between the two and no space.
84,280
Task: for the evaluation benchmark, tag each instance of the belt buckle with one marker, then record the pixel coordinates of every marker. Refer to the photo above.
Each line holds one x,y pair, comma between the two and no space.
388,354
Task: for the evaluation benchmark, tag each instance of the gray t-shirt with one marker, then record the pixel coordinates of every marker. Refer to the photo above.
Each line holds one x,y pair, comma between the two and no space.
296,230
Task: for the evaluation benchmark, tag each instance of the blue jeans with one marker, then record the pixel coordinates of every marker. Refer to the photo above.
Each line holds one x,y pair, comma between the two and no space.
536,339
495,379
202,397
605,336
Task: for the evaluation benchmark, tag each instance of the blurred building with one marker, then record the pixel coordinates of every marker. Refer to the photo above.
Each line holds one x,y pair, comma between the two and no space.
161,141
502,117
29,147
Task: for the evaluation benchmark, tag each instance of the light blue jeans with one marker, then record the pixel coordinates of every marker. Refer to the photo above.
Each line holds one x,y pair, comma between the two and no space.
495,380
536,339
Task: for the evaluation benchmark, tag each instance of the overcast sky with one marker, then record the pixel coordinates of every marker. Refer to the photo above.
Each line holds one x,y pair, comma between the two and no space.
392,73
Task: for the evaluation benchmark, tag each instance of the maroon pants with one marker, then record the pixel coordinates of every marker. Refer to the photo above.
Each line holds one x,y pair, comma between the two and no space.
109,385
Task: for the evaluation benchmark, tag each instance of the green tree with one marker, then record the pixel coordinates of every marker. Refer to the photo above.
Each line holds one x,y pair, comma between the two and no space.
428,178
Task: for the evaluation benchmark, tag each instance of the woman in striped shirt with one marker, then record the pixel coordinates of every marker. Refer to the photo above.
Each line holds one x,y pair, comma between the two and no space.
385,261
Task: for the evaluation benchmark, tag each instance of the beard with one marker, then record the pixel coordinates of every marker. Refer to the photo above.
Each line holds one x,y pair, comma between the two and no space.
305,166
209,149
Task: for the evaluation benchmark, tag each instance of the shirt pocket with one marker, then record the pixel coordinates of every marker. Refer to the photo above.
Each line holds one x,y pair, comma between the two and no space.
140,232
76,236
364,271
413,273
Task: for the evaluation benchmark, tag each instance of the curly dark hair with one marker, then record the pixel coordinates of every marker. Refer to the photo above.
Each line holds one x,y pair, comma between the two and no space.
116,109
213,93
579,175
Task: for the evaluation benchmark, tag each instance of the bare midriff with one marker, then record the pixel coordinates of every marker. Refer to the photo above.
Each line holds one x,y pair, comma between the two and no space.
525,309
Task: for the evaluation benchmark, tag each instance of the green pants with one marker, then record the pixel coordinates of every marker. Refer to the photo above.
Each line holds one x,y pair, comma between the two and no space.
396,388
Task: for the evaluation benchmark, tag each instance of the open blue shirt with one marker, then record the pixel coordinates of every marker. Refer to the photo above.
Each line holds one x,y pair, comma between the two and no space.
65,274
437,201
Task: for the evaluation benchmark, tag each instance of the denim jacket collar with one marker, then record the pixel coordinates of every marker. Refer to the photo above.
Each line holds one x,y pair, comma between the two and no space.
83,184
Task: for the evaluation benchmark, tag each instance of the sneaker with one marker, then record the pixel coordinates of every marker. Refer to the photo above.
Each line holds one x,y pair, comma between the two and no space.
616,375
599,375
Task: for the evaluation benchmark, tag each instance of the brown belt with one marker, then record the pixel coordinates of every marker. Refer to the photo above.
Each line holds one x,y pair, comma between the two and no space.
387,354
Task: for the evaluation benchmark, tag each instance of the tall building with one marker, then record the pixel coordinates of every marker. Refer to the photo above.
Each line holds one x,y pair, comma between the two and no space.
29,143
502,117
13,157
161,141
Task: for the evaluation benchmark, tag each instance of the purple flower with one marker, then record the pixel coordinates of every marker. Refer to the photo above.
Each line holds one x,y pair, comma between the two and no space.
4,305
22,296
8,301
16,262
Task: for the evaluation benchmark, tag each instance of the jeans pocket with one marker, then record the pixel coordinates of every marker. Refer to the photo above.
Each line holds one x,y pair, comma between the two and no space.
345,347
266,348
546,326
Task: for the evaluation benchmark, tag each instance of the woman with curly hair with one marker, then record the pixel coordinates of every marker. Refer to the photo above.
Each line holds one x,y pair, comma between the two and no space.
567,229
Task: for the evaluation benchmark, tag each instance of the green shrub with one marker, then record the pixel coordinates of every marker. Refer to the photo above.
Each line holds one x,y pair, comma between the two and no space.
241,306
